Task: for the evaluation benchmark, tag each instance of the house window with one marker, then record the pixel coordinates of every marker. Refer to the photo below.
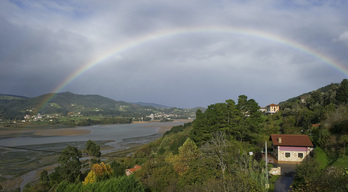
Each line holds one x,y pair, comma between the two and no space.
300,155
287,155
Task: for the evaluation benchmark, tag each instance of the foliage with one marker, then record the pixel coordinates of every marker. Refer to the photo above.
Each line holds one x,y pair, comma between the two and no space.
117,168
171,143
69,164
272,181
177,129
99,172
242,121
317,175
92,150
102,169
116,184
321,157
44,179
342,163
310,178
188,154
91,178
342,92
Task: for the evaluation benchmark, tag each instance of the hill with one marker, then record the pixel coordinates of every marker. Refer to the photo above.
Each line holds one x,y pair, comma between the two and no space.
70,104
152,105
326,90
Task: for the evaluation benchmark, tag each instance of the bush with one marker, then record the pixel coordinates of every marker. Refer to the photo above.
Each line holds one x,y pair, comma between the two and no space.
117,184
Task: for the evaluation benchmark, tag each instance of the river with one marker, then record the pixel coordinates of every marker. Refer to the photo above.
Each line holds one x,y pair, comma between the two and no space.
24,155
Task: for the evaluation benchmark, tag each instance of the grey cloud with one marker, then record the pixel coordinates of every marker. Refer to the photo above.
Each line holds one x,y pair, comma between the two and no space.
343,37
42,43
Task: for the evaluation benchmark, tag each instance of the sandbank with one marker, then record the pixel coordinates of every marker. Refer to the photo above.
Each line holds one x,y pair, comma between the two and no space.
62,132
47,132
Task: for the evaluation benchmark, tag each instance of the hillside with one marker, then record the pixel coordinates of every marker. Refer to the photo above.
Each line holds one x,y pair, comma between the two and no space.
152,104
67,103
326,90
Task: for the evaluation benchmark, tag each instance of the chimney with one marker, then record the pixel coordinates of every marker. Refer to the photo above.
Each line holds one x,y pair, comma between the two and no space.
279,140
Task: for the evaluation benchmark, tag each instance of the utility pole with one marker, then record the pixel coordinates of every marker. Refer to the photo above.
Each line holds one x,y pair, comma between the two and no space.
266,167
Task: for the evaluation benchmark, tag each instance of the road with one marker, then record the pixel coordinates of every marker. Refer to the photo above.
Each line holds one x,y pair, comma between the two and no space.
284,182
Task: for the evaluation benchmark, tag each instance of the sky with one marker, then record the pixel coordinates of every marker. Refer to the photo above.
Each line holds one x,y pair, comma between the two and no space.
177,53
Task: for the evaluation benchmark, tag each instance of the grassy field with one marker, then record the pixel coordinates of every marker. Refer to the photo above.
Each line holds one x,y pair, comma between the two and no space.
323,160
272,181
341,162
321,157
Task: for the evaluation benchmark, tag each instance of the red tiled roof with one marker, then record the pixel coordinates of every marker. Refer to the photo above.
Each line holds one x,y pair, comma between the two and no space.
272,105
136,167
291,140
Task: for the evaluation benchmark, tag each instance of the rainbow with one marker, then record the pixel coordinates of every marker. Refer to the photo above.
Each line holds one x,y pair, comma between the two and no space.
195,30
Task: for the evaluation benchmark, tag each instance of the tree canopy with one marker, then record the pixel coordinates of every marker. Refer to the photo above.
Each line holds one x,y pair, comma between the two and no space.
242,120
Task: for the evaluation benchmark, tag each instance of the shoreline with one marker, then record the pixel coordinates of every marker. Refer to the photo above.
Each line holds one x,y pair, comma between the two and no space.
64,131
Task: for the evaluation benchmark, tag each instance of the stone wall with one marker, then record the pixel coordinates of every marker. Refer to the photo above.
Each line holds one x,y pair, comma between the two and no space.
275,171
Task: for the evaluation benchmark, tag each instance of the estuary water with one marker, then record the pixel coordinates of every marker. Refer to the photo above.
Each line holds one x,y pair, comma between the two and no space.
114,134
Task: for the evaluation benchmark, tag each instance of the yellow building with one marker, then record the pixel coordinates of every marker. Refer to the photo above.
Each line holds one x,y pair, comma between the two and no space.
272,108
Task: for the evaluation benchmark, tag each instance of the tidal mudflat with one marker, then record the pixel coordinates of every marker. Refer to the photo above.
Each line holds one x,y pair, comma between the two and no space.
24,151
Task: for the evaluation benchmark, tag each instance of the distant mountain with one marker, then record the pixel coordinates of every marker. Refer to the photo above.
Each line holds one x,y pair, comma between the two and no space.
11,97
15,107
66,101
153,105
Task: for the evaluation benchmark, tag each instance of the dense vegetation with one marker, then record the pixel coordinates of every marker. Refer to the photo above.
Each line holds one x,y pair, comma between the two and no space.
213,152
328,109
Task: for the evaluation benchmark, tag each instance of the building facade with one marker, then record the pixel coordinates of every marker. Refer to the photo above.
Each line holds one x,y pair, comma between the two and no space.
272,108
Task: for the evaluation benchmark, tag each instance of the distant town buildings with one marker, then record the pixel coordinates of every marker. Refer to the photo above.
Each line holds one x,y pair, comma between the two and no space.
161,115
39,117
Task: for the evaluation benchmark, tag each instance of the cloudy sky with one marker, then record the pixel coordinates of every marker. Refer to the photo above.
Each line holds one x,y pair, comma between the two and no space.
176,53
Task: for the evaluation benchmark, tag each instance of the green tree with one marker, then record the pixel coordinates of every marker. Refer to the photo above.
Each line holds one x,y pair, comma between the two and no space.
117,184
243,121
188,153
306,118
249,119
44,179
92,150
323,136
117,168
200,131
343,140
342,92
69,164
